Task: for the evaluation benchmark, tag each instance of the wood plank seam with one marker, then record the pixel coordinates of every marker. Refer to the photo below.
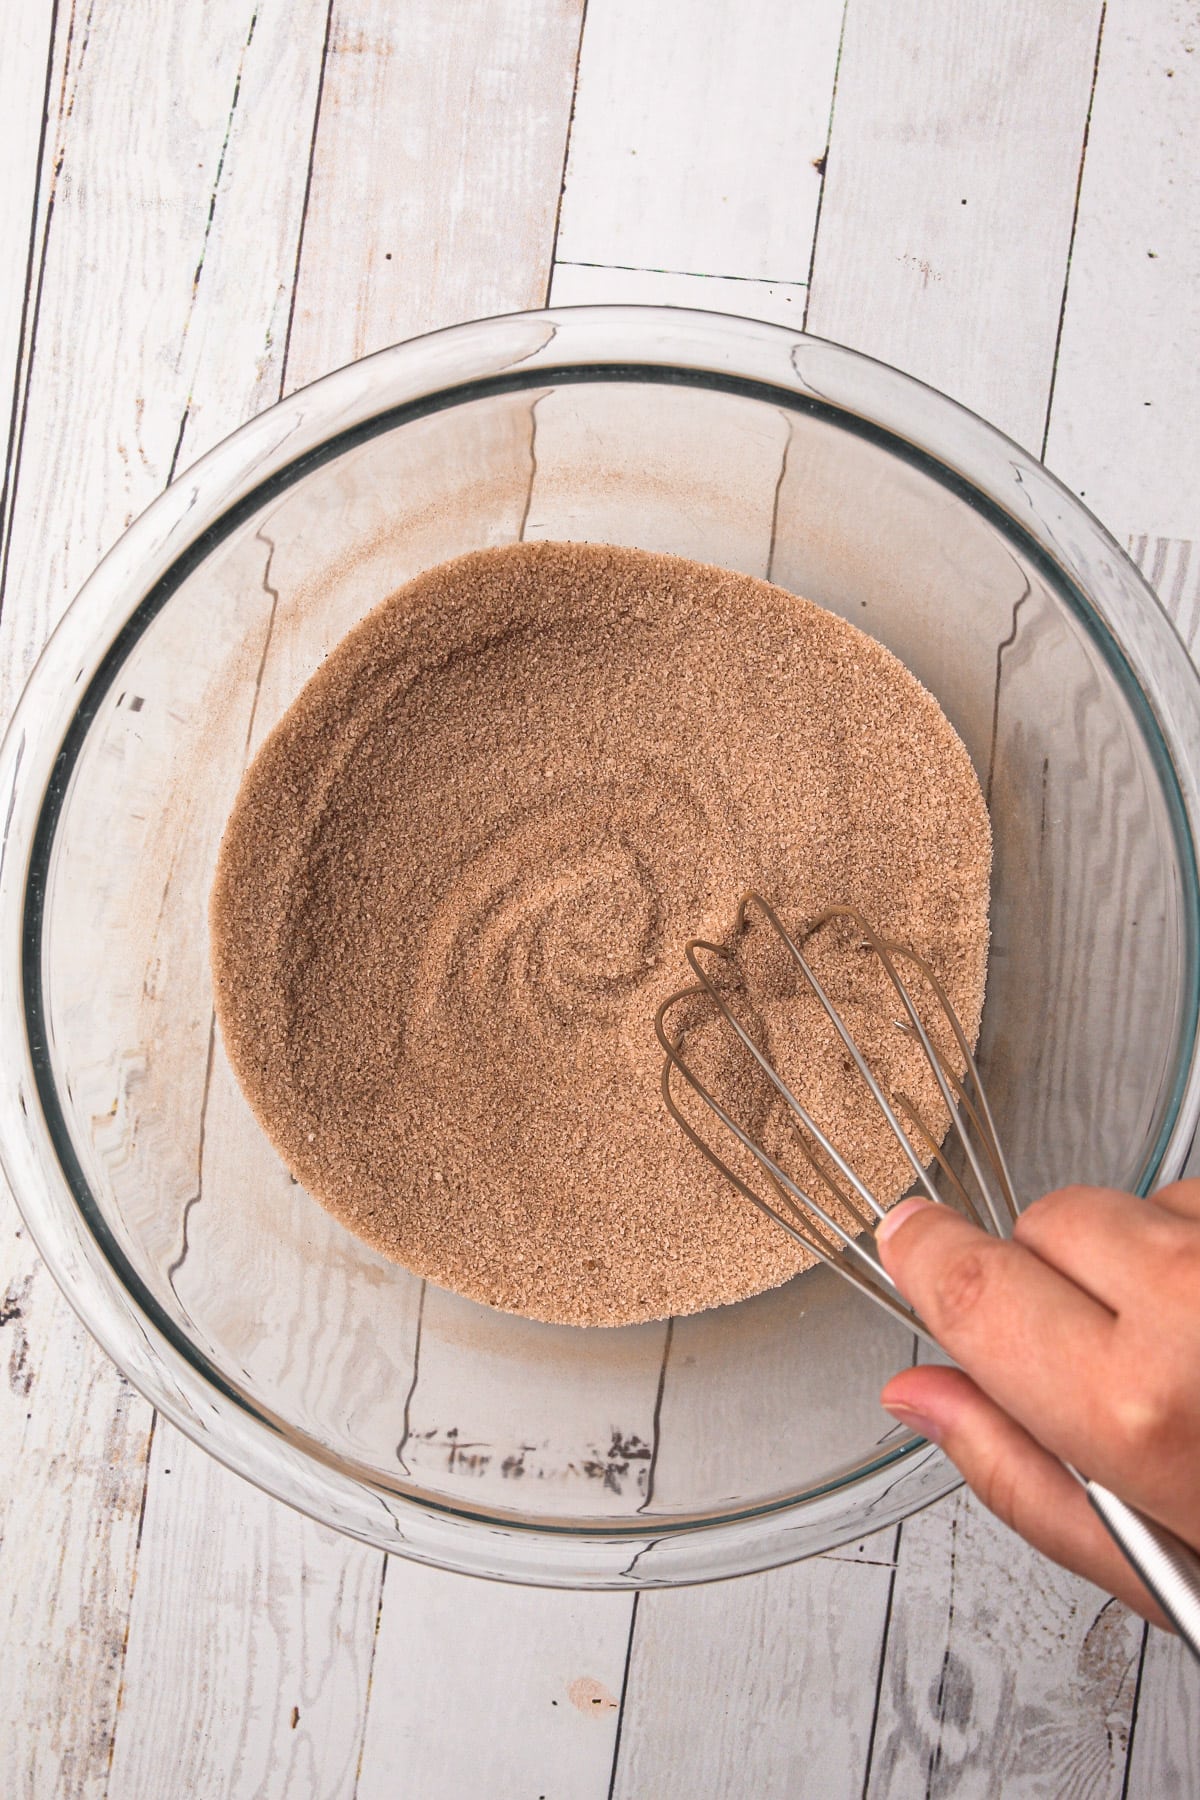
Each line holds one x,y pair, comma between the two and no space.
566,157
616,1755
689,274
183,422
211,214
658,1402
883,1645
366,1711
824,167
1083,148
308,181
137,1542
1133,1713
66,105
405,1425
19,388
208,225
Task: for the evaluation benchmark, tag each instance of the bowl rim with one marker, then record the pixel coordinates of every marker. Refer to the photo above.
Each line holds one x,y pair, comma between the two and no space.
136,578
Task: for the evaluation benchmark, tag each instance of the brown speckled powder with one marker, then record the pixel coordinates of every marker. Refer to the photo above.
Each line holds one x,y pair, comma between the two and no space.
459,879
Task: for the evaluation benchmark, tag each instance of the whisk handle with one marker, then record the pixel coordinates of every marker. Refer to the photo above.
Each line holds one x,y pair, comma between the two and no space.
1168,1567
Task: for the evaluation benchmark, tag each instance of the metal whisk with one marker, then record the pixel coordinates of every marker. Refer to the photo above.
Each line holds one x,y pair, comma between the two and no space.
836,1227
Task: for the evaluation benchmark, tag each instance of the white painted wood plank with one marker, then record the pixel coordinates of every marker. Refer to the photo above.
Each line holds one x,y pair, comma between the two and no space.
1003,1674
950,191
231,350
471,1685
590,284
718,1383
68,1523
110,377
482,1689
105,401
24,89
437,170
1127,392
75,1439
1164,1756
933,109
250,1641
1172,567
763,1686
269,1682
1122,433
579,1443
698,136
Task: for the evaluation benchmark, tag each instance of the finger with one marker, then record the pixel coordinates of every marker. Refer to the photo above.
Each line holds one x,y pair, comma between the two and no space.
1182,1197
1038,1344
1110,1244
1015,1477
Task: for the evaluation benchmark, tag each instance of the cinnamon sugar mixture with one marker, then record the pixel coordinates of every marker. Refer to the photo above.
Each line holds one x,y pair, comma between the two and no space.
459,878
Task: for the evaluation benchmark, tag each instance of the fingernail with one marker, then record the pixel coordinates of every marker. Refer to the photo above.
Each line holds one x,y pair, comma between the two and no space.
892,1221
916,1421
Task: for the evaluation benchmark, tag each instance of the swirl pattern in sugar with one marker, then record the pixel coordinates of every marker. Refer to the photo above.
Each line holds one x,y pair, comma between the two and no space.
461,874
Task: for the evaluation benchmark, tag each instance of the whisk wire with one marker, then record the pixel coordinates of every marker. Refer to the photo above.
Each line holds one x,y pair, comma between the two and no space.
1170,1568
839,1025
885,951
793,1220
778,1175
905,1106
796,1209
980,1114
776,1080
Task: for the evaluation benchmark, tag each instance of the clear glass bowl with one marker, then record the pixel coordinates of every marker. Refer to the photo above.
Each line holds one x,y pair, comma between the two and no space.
416,1420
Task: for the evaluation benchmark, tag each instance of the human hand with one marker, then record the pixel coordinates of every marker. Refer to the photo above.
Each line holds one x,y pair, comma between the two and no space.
1078,1342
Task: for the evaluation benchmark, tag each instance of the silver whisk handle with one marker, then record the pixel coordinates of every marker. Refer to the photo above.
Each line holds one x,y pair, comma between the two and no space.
1168,1567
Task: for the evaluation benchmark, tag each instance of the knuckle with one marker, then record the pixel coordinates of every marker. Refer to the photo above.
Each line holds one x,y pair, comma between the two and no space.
997,1486
1059,1200
1183,1255
1182,1194
1147,1416
959,1288
1054,1212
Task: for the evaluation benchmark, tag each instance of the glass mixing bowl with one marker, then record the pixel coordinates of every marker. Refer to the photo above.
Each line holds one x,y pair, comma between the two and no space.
411,1418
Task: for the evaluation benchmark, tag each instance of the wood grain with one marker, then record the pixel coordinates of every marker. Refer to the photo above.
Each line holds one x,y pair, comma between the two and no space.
1082,910
949,194
764,1686
436,171
481,1689
1003,1675
1121,432
1127,389
588,284
934,108
25,91
68,1522
1172,567
77,1437
177,1550
109,380
697,144
489,1688
124,214
250,1637
1164,1755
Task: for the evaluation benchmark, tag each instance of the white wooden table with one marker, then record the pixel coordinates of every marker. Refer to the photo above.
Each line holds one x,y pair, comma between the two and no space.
206,203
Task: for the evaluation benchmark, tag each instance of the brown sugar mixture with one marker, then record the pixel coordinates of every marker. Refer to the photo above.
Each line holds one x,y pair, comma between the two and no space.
459,879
